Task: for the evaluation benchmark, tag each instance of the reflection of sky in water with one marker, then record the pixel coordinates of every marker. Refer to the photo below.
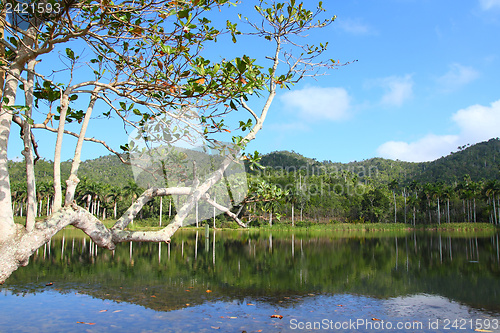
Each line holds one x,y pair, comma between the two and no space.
51,311
251,276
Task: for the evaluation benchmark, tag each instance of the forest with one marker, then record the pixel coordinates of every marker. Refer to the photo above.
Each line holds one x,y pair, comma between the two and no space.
288,188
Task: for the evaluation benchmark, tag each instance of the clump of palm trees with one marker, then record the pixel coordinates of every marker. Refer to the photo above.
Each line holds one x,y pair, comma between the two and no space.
464,201
429,203
100,199
44,195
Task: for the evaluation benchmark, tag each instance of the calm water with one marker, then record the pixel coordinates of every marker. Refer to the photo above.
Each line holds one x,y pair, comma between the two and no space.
236,281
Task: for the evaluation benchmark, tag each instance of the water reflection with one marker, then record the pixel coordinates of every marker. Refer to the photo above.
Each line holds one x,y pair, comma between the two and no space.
281,270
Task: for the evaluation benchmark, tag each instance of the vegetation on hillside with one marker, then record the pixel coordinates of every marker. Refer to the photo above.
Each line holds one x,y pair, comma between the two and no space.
461,187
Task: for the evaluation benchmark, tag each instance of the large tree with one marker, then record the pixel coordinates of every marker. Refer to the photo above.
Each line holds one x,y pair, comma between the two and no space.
148,62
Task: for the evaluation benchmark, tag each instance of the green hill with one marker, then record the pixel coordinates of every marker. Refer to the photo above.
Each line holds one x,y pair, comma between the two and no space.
355,192
480,161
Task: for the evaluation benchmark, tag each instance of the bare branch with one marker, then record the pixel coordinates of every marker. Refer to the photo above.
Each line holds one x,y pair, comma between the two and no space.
226,210
246,107
16,119
147,196
73,180
44,126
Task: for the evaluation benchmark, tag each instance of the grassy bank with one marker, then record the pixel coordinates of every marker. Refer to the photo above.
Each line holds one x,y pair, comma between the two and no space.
152,224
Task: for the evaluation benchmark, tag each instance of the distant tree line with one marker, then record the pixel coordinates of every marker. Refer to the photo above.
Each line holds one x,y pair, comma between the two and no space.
375,190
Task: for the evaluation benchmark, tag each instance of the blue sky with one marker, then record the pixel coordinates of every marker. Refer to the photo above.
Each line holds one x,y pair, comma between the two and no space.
426,81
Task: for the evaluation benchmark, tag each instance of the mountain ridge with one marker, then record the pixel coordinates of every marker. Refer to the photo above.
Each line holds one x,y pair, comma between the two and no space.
479,161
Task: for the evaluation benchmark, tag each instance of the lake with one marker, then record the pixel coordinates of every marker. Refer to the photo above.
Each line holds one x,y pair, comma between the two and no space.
236,281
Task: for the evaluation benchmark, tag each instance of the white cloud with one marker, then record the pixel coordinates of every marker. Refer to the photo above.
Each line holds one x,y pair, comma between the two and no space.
457,76
398,89
355,26
476,123
427,148
316,103
489,4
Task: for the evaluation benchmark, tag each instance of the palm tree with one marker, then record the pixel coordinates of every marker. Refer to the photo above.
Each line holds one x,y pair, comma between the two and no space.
415,187
405,195
413,203
428,190
491,189
22,196
474,188
292,198
16,193
114,194
133,191
91,194
437,192
42,191
463,190
82,194
393,186
468,190
50,194
447,193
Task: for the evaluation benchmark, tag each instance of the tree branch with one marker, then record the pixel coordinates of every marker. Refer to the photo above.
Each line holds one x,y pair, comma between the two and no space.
226,210
28,152
73,180
44,126
147,196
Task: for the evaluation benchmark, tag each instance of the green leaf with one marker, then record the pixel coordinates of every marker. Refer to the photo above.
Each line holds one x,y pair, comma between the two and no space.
70,53
241,65
183,13
167,49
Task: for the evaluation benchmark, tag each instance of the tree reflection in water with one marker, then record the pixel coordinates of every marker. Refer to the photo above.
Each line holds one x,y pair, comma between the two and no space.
243,266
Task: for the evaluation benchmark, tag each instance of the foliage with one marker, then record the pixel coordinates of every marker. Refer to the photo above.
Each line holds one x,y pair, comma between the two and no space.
329,195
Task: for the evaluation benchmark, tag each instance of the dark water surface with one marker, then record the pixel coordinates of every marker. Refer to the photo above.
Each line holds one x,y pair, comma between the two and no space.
236,281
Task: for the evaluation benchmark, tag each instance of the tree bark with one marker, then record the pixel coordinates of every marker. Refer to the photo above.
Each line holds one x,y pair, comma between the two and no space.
7,226
161,210
57,154
73,180
31,202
